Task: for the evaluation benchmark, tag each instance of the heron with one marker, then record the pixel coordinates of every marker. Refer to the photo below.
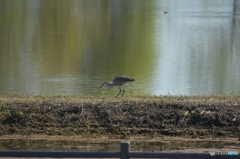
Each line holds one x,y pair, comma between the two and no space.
118,81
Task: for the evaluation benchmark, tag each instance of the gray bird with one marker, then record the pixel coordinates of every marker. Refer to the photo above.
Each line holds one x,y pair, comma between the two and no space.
118,81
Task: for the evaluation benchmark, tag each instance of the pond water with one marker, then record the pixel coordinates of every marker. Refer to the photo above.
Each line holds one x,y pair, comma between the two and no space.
71,47
33,144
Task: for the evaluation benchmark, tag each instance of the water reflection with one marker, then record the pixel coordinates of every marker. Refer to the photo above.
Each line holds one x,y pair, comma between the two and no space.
28,144
70,47
32,144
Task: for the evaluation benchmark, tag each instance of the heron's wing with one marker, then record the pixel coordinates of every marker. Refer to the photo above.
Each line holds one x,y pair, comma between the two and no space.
122,79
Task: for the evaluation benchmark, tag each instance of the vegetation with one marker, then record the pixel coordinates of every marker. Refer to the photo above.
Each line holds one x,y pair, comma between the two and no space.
136,116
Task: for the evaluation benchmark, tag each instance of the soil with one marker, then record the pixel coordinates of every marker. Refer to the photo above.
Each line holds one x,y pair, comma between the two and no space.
194,117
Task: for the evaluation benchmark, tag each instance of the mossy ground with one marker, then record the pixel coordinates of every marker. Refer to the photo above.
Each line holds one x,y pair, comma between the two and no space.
122,118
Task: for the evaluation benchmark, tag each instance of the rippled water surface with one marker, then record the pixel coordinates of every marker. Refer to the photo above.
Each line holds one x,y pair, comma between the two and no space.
71,47
30,144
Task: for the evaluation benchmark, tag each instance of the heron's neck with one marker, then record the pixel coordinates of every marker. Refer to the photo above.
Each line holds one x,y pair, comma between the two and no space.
109,84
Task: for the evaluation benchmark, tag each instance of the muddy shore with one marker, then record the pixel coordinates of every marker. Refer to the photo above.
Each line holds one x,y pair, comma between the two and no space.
204,117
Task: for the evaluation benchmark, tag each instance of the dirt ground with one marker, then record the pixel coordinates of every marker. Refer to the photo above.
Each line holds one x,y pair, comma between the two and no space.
206,117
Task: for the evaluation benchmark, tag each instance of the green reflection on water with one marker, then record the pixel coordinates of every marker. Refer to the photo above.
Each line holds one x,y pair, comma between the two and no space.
45,45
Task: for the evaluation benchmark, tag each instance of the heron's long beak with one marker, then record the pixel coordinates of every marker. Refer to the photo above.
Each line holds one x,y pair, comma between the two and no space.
100,86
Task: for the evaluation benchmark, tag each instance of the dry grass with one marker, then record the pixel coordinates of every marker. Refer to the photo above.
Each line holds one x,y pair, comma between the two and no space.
148,116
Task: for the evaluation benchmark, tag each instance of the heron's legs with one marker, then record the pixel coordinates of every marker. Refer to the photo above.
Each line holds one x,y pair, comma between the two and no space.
119,92
123,91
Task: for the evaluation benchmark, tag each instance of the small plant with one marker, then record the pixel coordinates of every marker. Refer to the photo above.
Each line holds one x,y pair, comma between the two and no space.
4,112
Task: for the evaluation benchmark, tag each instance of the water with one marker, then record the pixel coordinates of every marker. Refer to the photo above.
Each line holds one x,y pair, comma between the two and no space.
67,145
71,47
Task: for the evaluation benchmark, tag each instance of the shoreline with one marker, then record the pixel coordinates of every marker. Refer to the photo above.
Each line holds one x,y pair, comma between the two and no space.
138,139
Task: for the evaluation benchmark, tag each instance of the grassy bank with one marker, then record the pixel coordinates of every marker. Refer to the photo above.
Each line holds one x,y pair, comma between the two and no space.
182,116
